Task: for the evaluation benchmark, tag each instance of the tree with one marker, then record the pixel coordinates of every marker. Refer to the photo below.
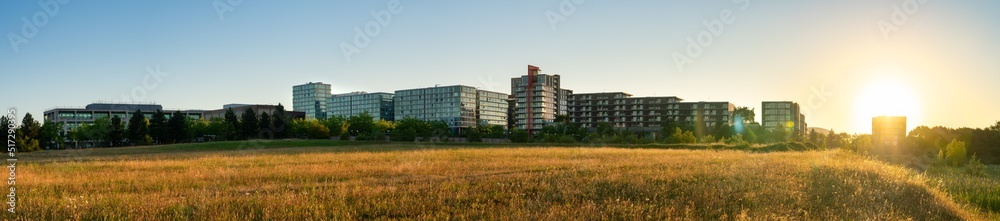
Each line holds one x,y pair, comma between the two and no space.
98,131
178,127
681,136
518,136
813,136
117,131
439,129
280,122
232,125
336,124
50,135
138,129
473,135
158,127
408,129
744,115
383,128
955,153
249,124
265,126
5,126
361,124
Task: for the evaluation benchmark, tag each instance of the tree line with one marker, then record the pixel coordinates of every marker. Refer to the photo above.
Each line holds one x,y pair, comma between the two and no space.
923,142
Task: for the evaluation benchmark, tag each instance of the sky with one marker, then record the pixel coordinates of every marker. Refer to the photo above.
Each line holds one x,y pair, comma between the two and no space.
843,61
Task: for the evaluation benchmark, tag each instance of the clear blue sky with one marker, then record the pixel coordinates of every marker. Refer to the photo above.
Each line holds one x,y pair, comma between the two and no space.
946,53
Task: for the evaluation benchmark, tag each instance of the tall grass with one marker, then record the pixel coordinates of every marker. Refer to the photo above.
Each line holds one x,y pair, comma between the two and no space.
397,181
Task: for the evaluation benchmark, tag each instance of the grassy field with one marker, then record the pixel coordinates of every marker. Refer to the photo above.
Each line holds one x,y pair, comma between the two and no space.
328,180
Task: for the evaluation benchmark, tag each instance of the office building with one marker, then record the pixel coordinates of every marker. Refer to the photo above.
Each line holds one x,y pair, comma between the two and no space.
312,99
379,105
459,106
888,130
73,118
538,99
785,114
645,114
238,109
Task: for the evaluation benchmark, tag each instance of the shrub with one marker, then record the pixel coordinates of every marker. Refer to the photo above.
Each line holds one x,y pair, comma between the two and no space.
518,136
975,167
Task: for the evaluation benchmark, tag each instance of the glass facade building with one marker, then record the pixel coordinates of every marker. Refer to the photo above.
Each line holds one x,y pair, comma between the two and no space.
459,106
379,105
311,98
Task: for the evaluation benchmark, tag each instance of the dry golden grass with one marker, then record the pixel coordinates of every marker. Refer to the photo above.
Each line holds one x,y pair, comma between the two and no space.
405,182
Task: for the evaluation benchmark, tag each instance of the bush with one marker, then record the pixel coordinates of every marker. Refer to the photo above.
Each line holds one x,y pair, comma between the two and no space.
976,167
473,135
518,136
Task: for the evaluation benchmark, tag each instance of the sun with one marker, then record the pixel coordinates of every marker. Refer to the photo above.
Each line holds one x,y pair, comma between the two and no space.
890,97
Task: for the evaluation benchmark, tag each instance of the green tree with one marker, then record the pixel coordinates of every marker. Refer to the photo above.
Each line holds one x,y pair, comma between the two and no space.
178,127
138,128
681,136
408,129
50,135
232,126
361,124
249,125
336,124
744,115
158,127
117,131
27,134
265,126
280,121
955,153
99,131
518,136
439,129
473,135
5,129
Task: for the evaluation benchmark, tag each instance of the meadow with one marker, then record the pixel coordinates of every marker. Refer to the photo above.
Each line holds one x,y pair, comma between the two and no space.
329,180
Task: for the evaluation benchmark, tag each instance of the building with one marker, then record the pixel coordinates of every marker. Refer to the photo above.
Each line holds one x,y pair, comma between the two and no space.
620,110
538,99
379,105
646,114
238,109
73,118
312,99
888,130
459,106
784,114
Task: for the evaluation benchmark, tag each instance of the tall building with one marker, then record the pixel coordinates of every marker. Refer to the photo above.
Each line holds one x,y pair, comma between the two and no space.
459,106
312,99
888,130
538,99
379,105
73,118
646,114
784,114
